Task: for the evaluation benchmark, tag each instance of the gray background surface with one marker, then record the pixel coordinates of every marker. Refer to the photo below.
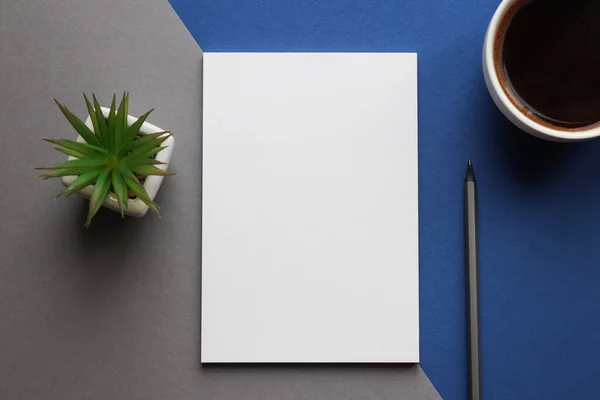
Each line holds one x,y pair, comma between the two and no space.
112,312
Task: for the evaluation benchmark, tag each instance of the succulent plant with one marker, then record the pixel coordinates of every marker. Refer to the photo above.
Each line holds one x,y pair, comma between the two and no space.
113,157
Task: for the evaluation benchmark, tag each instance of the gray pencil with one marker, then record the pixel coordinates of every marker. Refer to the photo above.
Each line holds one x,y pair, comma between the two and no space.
472,285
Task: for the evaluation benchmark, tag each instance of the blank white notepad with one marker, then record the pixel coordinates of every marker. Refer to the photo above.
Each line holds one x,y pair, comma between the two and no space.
310,209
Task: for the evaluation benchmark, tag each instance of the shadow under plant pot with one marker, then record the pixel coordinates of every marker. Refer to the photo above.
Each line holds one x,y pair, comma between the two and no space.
135,206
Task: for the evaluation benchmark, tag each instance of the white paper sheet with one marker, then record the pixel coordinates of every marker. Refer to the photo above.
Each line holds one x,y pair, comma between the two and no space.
310,208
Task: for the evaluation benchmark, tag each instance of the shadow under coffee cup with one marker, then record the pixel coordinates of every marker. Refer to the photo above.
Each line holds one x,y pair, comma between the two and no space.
541,62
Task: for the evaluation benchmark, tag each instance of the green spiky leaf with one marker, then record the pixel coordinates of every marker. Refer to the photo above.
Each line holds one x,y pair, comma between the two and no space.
133,130
120,190
148,170
144,148
141,160
154,151
121,122
82,181
90,163
137,188
84,148
101,120
70,152
110,137
125,122
79,126
57,173
142,140
93,118
101,189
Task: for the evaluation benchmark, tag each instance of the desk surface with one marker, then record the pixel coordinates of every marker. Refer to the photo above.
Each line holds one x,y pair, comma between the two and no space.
539,202
113,312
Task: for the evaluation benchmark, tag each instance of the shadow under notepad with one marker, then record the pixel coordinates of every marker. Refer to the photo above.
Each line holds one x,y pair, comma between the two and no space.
308,366
201,155
348,370
407,381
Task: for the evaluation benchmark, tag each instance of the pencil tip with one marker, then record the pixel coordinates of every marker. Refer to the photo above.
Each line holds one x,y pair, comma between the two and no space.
470,173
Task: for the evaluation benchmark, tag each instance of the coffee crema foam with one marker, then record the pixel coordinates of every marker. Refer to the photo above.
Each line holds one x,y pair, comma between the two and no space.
551,71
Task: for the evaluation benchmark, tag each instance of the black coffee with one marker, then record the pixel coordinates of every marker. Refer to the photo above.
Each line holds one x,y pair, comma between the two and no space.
551,56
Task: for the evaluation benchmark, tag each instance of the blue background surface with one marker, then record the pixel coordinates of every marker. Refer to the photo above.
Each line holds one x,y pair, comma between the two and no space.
539,202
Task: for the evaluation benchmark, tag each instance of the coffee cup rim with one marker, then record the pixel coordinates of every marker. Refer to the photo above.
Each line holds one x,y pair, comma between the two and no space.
494,80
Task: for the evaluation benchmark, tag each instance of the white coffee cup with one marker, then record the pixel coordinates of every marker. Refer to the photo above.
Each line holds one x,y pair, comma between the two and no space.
500,90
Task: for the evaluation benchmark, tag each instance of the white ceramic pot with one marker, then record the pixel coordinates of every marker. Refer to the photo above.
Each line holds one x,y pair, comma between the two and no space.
498,91
135,207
